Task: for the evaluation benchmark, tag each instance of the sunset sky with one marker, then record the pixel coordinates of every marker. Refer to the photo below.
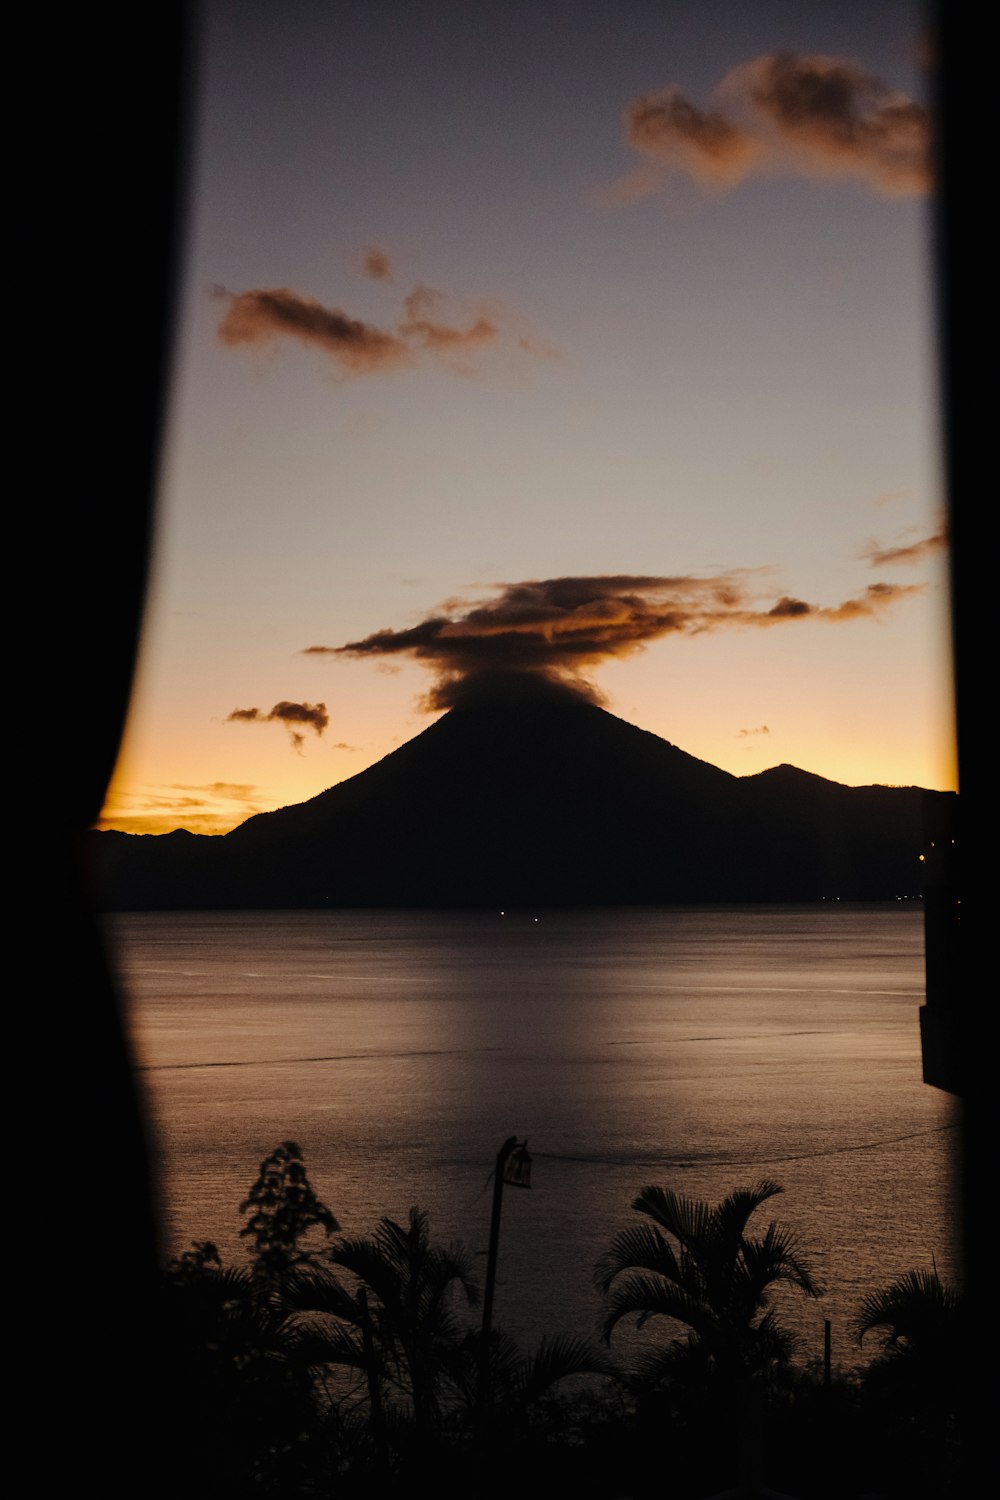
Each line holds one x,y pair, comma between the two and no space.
590,338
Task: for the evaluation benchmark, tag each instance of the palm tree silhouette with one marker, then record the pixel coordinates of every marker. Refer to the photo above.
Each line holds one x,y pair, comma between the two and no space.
710,1274
918,1315
920,1319
697,1265
923,1394
399,1323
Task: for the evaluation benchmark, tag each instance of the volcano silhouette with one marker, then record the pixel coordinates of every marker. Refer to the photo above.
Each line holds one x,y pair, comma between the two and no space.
530,796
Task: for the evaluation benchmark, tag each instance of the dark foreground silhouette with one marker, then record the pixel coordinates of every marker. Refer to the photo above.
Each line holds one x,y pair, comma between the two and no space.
330,1365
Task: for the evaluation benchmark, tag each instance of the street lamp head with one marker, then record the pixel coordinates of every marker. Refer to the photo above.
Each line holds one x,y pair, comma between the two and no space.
517,1168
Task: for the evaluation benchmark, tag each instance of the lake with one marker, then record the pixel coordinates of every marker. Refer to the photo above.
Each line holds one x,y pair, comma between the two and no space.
701,1049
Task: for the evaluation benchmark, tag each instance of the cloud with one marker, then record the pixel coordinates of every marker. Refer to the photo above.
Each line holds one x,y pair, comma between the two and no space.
810,116
789,609
746,733
554,629
424,331
237,791
913,552
876,598
423,325
289,714
376,263
160,810
227,791
670,129
841,121
167,804
359,348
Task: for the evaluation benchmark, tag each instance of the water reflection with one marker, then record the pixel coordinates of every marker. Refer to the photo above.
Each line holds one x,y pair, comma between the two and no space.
699,1049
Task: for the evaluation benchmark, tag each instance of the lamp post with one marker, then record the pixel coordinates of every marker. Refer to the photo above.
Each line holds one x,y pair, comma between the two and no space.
513,1165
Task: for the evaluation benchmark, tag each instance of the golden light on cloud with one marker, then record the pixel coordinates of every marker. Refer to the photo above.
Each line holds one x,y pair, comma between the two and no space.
783,114
261,316
557,628
905,553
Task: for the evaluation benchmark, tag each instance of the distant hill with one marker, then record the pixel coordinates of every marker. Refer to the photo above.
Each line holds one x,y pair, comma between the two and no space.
536,798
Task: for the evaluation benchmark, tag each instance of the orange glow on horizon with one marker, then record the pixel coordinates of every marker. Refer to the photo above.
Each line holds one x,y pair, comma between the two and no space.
140,801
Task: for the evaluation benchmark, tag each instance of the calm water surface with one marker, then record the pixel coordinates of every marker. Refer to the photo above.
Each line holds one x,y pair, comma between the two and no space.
700,1049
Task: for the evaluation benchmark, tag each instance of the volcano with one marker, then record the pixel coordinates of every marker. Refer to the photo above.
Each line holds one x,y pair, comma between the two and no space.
533,797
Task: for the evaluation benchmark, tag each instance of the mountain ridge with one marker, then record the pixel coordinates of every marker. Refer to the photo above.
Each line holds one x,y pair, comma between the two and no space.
537,798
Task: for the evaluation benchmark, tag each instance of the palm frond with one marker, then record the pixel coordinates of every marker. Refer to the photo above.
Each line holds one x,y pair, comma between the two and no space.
314,1344
916,1309
687,1219
775,1257
366,1260
684,1361
649,1297
772,1344
556,1359
639,1247
505,1360
309,1289
736,1210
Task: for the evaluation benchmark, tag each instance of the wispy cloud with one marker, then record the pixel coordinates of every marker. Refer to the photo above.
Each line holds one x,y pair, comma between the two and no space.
425,326
906,553
215,807
556,628
745,734
873,601
782,113
235,791
290,714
